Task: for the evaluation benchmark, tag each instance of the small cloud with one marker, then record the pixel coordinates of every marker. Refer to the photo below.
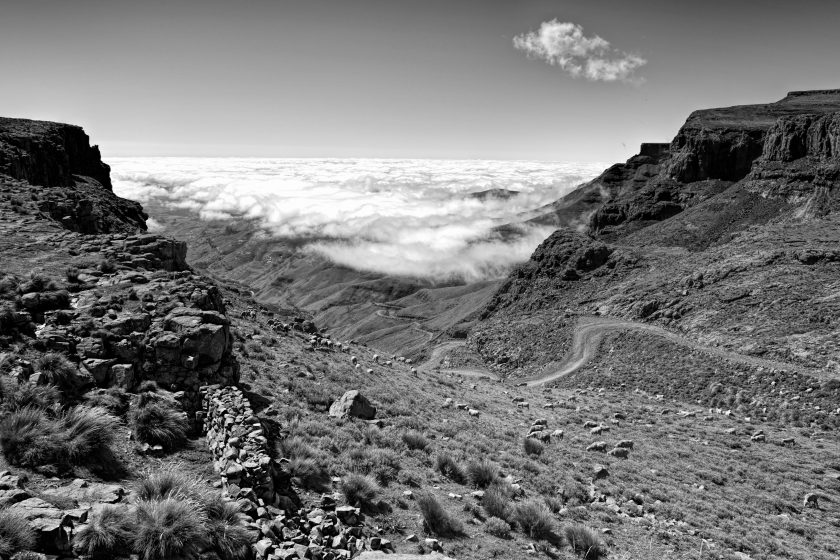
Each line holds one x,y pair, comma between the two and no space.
563,44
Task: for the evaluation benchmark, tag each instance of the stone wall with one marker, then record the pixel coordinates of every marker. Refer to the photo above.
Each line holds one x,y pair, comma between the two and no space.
236,439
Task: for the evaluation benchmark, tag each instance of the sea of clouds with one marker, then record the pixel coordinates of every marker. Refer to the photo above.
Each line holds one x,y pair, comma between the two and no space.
418,218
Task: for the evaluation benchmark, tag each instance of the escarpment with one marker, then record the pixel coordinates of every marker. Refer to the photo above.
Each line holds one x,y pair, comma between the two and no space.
709,235
55,164
713,150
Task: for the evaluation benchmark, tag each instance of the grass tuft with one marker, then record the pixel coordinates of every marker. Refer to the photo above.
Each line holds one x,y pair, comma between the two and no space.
15,533
585,541
159,423
534,518
415,440
107,534
448,467
437,520
168,529
497,527
360,490
482,473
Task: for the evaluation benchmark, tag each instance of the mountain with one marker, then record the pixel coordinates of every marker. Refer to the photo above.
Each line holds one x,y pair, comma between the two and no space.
726,235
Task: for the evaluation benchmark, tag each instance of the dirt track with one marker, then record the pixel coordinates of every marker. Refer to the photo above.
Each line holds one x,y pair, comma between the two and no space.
588,334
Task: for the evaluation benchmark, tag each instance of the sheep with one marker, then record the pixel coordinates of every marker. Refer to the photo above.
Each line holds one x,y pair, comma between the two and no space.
353,360
369,371
376,358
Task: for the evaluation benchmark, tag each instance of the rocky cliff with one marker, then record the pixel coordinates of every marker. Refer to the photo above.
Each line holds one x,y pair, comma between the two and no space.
744,198
66,175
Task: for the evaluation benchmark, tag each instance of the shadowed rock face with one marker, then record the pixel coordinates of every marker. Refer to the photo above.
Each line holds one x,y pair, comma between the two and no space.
714,149
49,154
67,176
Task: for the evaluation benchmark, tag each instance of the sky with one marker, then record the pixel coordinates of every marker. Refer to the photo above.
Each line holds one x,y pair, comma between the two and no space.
554,80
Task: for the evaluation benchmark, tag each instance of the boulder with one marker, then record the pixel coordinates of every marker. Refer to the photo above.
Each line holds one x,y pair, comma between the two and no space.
52,526
352,403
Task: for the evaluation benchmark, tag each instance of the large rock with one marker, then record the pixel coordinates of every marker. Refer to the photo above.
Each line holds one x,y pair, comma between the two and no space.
352,403
52,526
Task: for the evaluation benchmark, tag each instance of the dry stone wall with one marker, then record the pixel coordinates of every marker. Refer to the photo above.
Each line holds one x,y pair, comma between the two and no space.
236,439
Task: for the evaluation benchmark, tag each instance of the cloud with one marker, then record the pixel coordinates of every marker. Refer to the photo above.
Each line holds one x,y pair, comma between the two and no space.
563,44
429,219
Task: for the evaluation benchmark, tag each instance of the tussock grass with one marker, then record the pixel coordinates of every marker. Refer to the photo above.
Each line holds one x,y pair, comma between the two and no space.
585,541
496,500
159,423
107,534
57,369
482,473
415,440
359,490
309,472
448,467
227,528
16,396
170,482
15,533
436,520
169,528
497,527
534,518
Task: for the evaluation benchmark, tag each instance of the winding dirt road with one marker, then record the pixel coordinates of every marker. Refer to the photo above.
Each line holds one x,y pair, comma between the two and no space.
588,335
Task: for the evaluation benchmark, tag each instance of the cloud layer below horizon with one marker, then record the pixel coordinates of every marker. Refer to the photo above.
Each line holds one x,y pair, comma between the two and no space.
418,218
564,45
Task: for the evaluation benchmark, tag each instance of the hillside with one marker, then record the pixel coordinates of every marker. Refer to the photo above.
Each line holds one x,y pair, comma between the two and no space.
665,436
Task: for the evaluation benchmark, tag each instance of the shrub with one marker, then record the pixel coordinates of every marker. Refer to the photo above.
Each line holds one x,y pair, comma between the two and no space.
360,490
106,535
496,500
57,369
310,473
72,274
158,423
585,542
534,518
15,533
415,440
497,527
437,520
227,529
533,446
168,529
482,473
449,468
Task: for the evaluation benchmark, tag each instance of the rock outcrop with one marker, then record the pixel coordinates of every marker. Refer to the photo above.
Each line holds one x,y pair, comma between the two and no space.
56,165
